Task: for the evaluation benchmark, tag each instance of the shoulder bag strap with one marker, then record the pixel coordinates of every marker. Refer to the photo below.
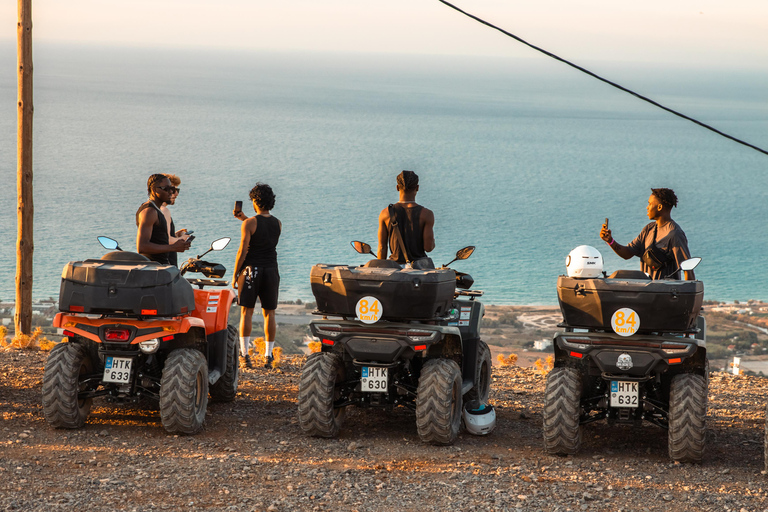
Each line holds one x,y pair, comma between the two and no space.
393,225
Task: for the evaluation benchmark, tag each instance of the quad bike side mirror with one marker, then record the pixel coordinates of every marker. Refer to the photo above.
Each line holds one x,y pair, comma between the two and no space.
462,254
220,244
108,243
362,247
690,264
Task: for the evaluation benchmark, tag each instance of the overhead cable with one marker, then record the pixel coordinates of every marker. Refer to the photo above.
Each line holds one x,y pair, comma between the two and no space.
588,72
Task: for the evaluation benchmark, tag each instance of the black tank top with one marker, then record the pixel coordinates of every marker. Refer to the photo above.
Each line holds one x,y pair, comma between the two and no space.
261,248
159,233
409,221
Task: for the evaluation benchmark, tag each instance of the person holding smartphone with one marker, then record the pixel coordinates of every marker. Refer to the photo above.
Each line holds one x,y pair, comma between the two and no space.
152,233
256,270
662,245
174,235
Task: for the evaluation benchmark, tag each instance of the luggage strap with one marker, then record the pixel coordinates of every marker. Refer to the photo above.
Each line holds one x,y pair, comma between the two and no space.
393,225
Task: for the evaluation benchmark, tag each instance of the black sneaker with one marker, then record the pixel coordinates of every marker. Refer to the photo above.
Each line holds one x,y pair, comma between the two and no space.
268,364
248,363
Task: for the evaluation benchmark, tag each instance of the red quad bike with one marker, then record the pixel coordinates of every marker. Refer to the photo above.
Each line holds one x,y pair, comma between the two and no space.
632,350
138,330
394,335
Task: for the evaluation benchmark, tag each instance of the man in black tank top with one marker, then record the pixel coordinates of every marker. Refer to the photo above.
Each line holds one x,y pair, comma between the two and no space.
152,227
416,223
256,273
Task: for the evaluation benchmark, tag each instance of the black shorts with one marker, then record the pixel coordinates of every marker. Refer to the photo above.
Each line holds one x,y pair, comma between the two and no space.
261,283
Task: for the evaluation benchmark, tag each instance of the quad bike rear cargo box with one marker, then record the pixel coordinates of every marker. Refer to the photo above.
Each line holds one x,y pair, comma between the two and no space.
403,293
140,288
662,305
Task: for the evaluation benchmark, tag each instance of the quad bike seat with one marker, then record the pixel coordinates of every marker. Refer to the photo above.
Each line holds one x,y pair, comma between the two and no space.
629,274
125,256
377,263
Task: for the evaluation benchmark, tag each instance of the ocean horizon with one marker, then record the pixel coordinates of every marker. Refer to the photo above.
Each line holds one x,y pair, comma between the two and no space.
523,158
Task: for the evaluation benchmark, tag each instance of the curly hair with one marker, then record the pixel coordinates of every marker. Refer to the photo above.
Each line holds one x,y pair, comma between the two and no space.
153,181
175,180
263,196
666,196
408,180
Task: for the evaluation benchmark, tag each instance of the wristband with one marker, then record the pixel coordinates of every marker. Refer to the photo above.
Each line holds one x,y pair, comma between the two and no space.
612,242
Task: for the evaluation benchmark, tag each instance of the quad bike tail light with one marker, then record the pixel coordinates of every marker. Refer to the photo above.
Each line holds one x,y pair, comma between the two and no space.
117,335
417,336
331,330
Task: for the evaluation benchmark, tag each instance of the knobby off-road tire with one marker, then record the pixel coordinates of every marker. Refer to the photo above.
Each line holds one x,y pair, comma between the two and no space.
66,364
184,391
225,389
318,389
482,384
438,402
765,443
562,409
687,417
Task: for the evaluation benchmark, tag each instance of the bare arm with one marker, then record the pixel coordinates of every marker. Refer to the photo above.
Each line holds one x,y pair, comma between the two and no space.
383,234
147,219
247,228
428,231
619,249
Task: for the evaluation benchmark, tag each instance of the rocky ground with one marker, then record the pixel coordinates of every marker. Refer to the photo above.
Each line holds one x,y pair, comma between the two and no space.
252,455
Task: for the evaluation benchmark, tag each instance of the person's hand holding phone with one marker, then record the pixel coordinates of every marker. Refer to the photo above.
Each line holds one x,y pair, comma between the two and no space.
238,211
605,233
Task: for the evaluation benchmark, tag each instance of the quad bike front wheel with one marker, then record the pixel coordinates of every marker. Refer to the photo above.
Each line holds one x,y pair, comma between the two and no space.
562,409
687,417
318,390
481,388
438,402
225,389
66,369
184,391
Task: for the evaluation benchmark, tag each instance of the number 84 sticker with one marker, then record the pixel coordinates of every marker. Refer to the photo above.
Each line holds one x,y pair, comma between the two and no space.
625,322
369,310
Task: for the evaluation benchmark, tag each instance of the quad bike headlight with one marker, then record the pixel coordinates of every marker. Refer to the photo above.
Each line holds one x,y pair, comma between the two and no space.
149,346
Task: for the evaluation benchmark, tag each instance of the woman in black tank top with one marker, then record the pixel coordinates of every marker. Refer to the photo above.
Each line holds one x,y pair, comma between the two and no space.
256,272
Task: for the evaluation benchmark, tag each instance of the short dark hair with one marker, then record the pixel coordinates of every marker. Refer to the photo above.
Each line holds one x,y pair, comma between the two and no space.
154,180
408,180
666,196
263,196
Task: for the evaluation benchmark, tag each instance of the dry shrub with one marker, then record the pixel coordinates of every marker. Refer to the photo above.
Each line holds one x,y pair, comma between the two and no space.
314,346
34,341
510,360
545,366
257,353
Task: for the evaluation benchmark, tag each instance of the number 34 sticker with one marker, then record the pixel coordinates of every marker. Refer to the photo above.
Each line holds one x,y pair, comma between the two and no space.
625,322
369,310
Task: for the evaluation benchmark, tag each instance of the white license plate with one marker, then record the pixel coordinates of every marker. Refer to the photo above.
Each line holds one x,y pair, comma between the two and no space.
624,393
374,379
117,369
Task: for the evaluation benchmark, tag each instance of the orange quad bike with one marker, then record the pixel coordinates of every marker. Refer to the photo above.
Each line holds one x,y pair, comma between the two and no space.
138,330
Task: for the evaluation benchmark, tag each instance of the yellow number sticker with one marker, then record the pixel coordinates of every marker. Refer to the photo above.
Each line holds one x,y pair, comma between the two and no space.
369,310
625,322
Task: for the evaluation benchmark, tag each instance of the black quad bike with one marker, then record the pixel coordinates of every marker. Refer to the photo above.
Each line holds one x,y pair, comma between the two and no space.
394,335
632,350
138,331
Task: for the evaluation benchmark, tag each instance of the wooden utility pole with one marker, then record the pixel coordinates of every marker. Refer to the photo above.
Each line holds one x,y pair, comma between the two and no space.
25,246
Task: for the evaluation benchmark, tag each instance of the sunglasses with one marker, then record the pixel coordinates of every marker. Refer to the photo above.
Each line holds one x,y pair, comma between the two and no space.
170,190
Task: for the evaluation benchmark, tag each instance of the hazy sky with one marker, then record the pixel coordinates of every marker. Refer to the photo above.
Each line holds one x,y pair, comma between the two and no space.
708,32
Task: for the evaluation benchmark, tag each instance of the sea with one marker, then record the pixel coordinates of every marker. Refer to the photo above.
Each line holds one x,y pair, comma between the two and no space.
523,158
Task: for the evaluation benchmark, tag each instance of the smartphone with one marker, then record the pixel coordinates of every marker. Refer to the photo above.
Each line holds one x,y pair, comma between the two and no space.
191,238
606,223
238,206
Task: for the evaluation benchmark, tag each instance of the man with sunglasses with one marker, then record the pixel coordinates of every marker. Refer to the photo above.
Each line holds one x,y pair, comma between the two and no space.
152,235
173,234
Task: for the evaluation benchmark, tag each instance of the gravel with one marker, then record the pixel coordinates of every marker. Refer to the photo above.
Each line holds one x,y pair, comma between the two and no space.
252,455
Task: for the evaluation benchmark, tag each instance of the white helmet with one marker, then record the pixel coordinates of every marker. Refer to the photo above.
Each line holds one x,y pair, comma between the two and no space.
479,419
584,261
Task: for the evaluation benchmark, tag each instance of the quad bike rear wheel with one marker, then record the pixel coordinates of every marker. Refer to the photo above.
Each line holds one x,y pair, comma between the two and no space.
482,383
67,366
184,391
687,417
318,390
438,402
225,389
562,409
